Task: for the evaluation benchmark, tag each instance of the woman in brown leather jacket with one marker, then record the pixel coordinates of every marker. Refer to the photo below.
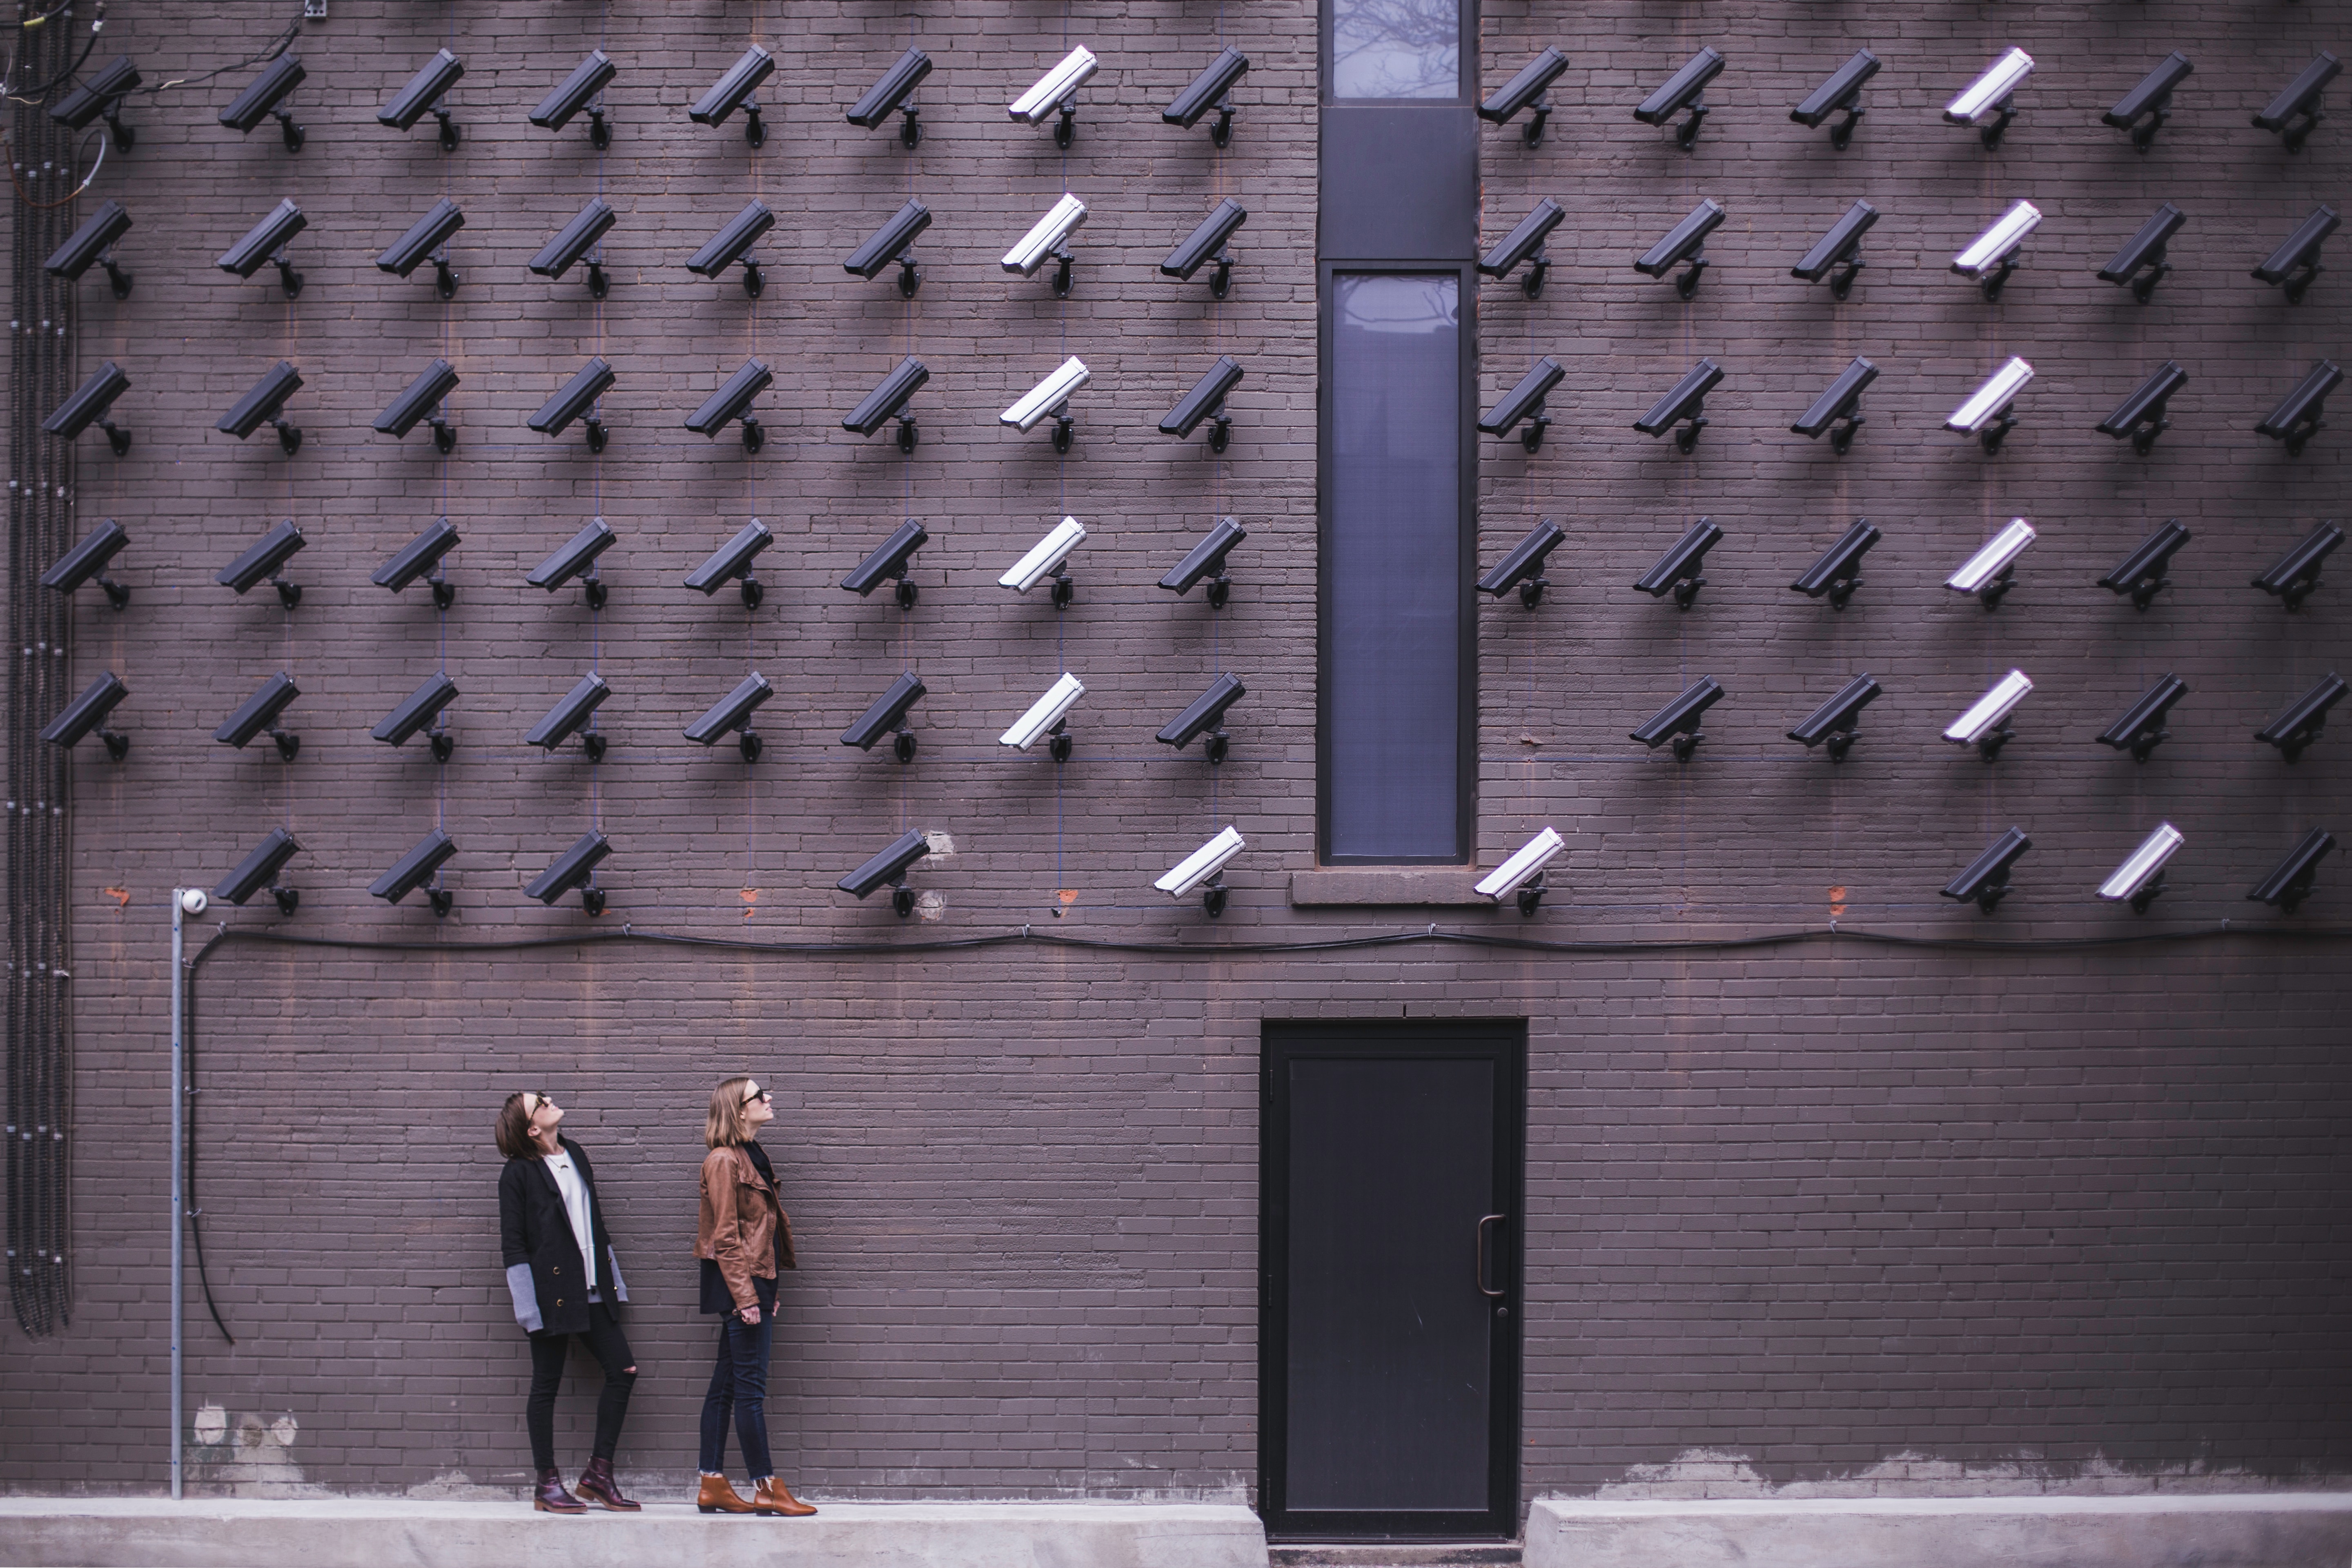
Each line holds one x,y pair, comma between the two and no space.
743,1239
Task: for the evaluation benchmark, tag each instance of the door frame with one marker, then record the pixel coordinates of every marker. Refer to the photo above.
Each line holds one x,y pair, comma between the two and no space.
1504,1041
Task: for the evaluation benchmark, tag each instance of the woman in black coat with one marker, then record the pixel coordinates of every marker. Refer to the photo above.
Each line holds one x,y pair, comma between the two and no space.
564,1279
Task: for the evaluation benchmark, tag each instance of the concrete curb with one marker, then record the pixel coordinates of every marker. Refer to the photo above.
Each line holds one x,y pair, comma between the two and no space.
114,1533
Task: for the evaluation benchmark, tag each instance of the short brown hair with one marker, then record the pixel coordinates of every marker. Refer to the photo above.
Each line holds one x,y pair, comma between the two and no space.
513,1129
725,1126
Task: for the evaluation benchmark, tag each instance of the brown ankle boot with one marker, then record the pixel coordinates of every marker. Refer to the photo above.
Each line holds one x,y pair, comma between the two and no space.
550,1496
598,1486
718,1496
773,1497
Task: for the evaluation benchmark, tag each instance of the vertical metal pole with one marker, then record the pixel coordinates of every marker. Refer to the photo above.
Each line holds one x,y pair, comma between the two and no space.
179,1166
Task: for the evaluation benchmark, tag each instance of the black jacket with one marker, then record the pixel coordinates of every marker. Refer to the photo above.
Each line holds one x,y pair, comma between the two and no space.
545,1273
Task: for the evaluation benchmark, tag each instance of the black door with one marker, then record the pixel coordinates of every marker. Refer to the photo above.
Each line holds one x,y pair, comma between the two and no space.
1389,1344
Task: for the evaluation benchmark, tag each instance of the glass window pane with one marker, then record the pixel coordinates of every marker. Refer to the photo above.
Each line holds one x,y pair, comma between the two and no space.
1392,669
1396,48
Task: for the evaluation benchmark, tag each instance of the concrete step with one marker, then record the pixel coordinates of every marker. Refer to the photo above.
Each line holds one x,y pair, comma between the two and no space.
156,1532
1395,1554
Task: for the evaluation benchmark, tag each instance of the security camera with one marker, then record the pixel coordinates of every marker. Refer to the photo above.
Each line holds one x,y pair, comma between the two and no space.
418,557
888,869
733,402
732,244
731,714
577,556
424,91
1051,396
101,95
893,242
889,562
2295,574
1524,566
1211,240
733,560
1205,715
1682,91
2295,262
265,561
264,243
427,237
1677,570
888,97
1212,89
2144,110
587,81
1527,91
2140,878
574,398
1836,722
2141,416
1524,403
420,708
571,711
87,714
1047,715
422,401
1045,559
194,900
2141,729
1206,401
1986,881
260,101
258,871
1685,405
1987,102
576,867
1990,572
94,242
259,714
2293,113
1052,93
2300,724
1521,875
1678,720
1841,93
2290,882
1838,573
1838,405
1985,414
1207,559
1526,243
1682,245
733,91
89,406
1992,257
887,716
267,402
85,562
574,240
1048,237
1985,724
2297,419
1840,249
1202,869
887,401
2142,573
2141,262
414,869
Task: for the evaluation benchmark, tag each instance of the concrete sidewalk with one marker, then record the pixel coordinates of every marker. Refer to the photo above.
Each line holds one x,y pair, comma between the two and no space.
156,1532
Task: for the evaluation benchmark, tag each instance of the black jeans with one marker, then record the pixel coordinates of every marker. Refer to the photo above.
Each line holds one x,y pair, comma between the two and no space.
739,1382
548,1353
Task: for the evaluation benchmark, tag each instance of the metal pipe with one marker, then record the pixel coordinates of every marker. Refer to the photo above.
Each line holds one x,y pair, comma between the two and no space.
179,1137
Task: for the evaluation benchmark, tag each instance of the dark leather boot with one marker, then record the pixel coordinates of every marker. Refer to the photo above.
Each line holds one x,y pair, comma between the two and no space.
551,1497
598,1486
773,1497
718,1496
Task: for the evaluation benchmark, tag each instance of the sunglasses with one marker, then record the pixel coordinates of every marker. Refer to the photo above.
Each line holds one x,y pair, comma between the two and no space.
531,1102
758,1094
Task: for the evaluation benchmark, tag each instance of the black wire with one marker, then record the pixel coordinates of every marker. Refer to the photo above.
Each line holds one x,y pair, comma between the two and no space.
269,51
193,1211
35,95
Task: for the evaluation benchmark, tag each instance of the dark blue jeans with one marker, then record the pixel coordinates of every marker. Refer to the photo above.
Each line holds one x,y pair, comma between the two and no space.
739,1382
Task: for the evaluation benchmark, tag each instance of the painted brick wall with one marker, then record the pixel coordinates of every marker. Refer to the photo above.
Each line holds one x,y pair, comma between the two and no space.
1855,1213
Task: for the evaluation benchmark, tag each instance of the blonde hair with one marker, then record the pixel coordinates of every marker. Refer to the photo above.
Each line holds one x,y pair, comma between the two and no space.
726,1126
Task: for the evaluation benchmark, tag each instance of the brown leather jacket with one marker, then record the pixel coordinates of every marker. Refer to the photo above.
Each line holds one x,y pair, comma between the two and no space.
742,1220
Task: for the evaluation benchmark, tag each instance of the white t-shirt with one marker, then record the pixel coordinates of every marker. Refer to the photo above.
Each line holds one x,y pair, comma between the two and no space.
575,1207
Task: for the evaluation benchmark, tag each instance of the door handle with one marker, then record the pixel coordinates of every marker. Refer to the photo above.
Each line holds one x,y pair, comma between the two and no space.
1484,1221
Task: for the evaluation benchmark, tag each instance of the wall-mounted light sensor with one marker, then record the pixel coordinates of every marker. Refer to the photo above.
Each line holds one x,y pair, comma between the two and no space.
733,91
89,405
258,714
1685,405
575,399
2141,729
888,869
2140,879
418,557
1841,93
577,558
732,244
2144,110
1986,881
1838,405
576,867
573,241
1992,572
2297,419
1682,91
1682,245
890,561
2290,881
889,96
267,403
1523,567
413,870
86,715
1520,876
584,89
1986,413
424,92
1045,559
1524,405
1049,715
1206,401
1836,722
2141,416
1211,240
1524,243
1984,724
893,243
1053,93
1205,715
420,708
1678,721
264,560
1212,88
887,716
2293,112
2292,577
1048,238
422,402
1677,570
1989,103
2295,262
1050,396
1527,91
731,715
1838,573
2299,725
732,562
257,872
1203,870
1992,257
733,402
2141,263
2142,573
1840,248
427,237
570,716
1207,559
85,562
93,243
888,401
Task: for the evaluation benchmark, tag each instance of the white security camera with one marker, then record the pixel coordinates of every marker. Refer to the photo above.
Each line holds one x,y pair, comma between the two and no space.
1045,236
1985,102
1202,868
1045,557
1047,395
1987,572
1523,872
1046,714
2141,875
194,902
1053,93
1992,257
1985,414
1985,725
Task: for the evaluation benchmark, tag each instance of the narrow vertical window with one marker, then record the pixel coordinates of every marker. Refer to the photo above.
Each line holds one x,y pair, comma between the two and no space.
1396,48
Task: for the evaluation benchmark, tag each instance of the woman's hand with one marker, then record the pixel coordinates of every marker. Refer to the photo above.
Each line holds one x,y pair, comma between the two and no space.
750,1315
